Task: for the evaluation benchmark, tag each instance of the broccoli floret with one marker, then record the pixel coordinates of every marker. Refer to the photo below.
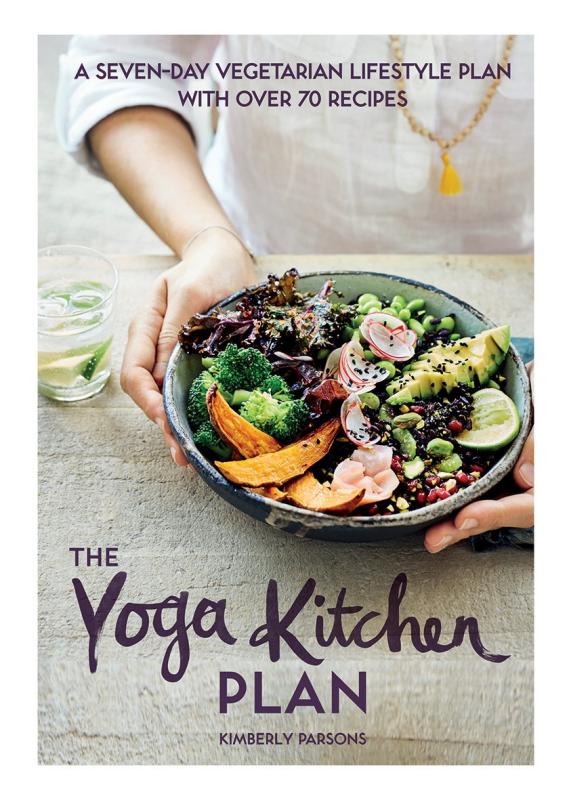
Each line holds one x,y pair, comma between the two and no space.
197,408
283,419
241,368
276,386
206,436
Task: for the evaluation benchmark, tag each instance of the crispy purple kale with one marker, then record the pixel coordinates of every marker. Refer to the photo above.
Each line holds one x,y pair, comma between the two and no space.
273,317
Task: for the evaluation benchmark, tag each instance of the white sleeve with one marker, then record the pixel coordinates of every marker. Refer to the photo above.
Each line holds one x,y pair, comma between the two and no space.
81,103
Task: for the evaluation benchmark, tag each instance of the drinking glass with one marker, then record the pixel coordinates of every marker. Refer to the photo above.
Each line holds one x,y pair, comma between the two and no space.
76,291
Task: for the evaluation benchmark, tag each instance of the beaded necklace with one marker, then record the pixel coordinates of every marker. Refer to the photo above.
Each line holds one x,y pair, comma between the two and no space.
450,180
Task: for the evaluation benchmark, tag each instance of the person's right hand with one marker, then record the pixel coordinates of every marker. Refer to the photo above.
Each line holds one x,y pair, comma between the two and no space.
216,265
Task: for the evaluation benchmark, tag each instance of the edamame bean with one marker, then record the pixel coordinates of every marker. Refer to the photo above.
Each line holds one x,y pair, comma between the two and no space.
370,400
407,443
398,301
408,420
493,385
416,305
208,362
347,333
369,355
322,354
416,326
404,314
357,321
427,322
390,310
454,337
446,323
368,297
451,463
371,305
389,366
439,447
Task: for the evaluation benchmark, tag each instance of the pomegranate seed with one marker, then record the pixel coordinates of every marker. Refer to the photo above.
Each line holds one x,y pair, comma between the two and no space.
453,490
432,497
417,409
442,494
476,468
464,479
421,497
372,509
432,480
396,462
412,485
455,426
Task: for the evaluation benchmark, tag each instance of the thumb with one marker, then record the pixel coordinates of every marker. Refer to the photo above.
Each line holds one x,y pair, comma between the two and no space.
523,471
166,342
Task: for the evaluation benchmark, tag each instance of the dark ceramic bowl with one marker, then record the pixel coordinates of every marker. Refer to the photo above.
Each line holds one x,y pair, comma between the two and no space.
182,369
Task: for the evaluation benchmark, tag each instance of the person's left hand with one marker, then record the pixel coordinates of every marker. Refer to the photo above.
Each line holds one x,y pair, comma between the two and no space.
513,511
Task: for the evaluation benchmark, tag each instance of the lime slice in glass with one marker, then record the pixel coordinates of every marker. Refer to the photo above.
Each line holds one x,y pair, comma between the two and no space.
495,421
63,371
82,363
95,362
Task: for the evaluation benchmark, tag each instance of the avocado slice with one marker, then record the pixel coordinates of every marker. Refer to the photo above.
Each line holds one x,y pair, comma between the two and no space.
472,360
502,337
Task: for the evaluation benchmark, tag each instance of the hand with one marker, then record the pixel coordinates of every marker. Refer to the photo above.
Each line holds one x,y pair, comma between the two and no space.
514,511
216,265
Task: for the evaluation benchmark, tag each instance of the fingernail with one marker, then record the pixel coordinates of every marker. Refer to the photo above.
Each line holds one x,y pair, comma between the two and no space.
526,473
443,542
173,454
468,524
160,423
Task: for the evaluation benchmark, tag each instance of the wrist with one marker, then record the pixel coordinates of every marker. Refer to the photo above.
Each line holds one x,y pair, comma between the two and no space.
223,235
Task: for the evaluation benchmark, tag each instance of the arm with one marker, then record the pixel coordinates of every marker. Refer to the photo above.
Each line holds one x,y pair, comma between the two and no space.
150,156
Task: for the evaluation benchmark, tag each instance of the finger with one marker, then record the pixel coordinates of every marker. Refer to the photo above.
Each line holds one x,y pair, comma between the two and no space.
176,451
514,511
140,353
176,314
523,471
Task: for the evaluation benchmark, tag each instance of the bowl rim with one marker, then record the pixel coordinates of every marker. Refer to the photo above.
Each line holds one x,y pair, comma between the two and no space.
431,513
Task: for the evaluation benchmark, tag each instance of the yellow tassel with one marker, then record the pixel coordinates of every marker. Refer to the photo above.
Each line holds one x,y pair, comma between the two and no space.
450,179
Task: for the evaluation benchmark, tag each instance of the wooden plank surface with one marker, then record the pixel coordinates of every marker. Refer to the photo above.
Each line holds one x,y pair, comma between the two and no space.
106,479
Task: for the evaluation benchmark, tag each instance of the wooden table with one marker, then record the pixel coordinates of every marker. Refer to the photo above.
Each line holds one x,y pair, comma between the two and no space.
107,480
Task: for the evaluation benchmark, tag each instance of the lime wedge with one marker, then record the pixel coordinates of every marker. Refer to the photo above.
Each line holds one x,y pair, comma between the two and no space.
96,360
495,421
63,371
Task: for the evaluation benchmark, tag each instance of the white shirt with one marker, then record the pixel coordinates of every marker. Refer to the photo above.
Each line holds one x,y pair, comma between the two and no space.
331,180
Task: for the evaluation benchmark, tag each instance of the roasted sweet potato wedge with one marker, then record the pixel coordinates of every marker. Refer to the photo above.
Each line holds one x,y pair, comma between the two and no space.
273,492
285,464
244,438
308,492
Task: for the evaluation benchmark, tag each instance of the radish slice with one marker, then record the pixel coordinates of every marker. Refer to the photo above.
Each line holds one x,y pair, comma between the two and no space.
355,424
352,385
286,357
388,344
355,371
331,366
408,336
379,317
